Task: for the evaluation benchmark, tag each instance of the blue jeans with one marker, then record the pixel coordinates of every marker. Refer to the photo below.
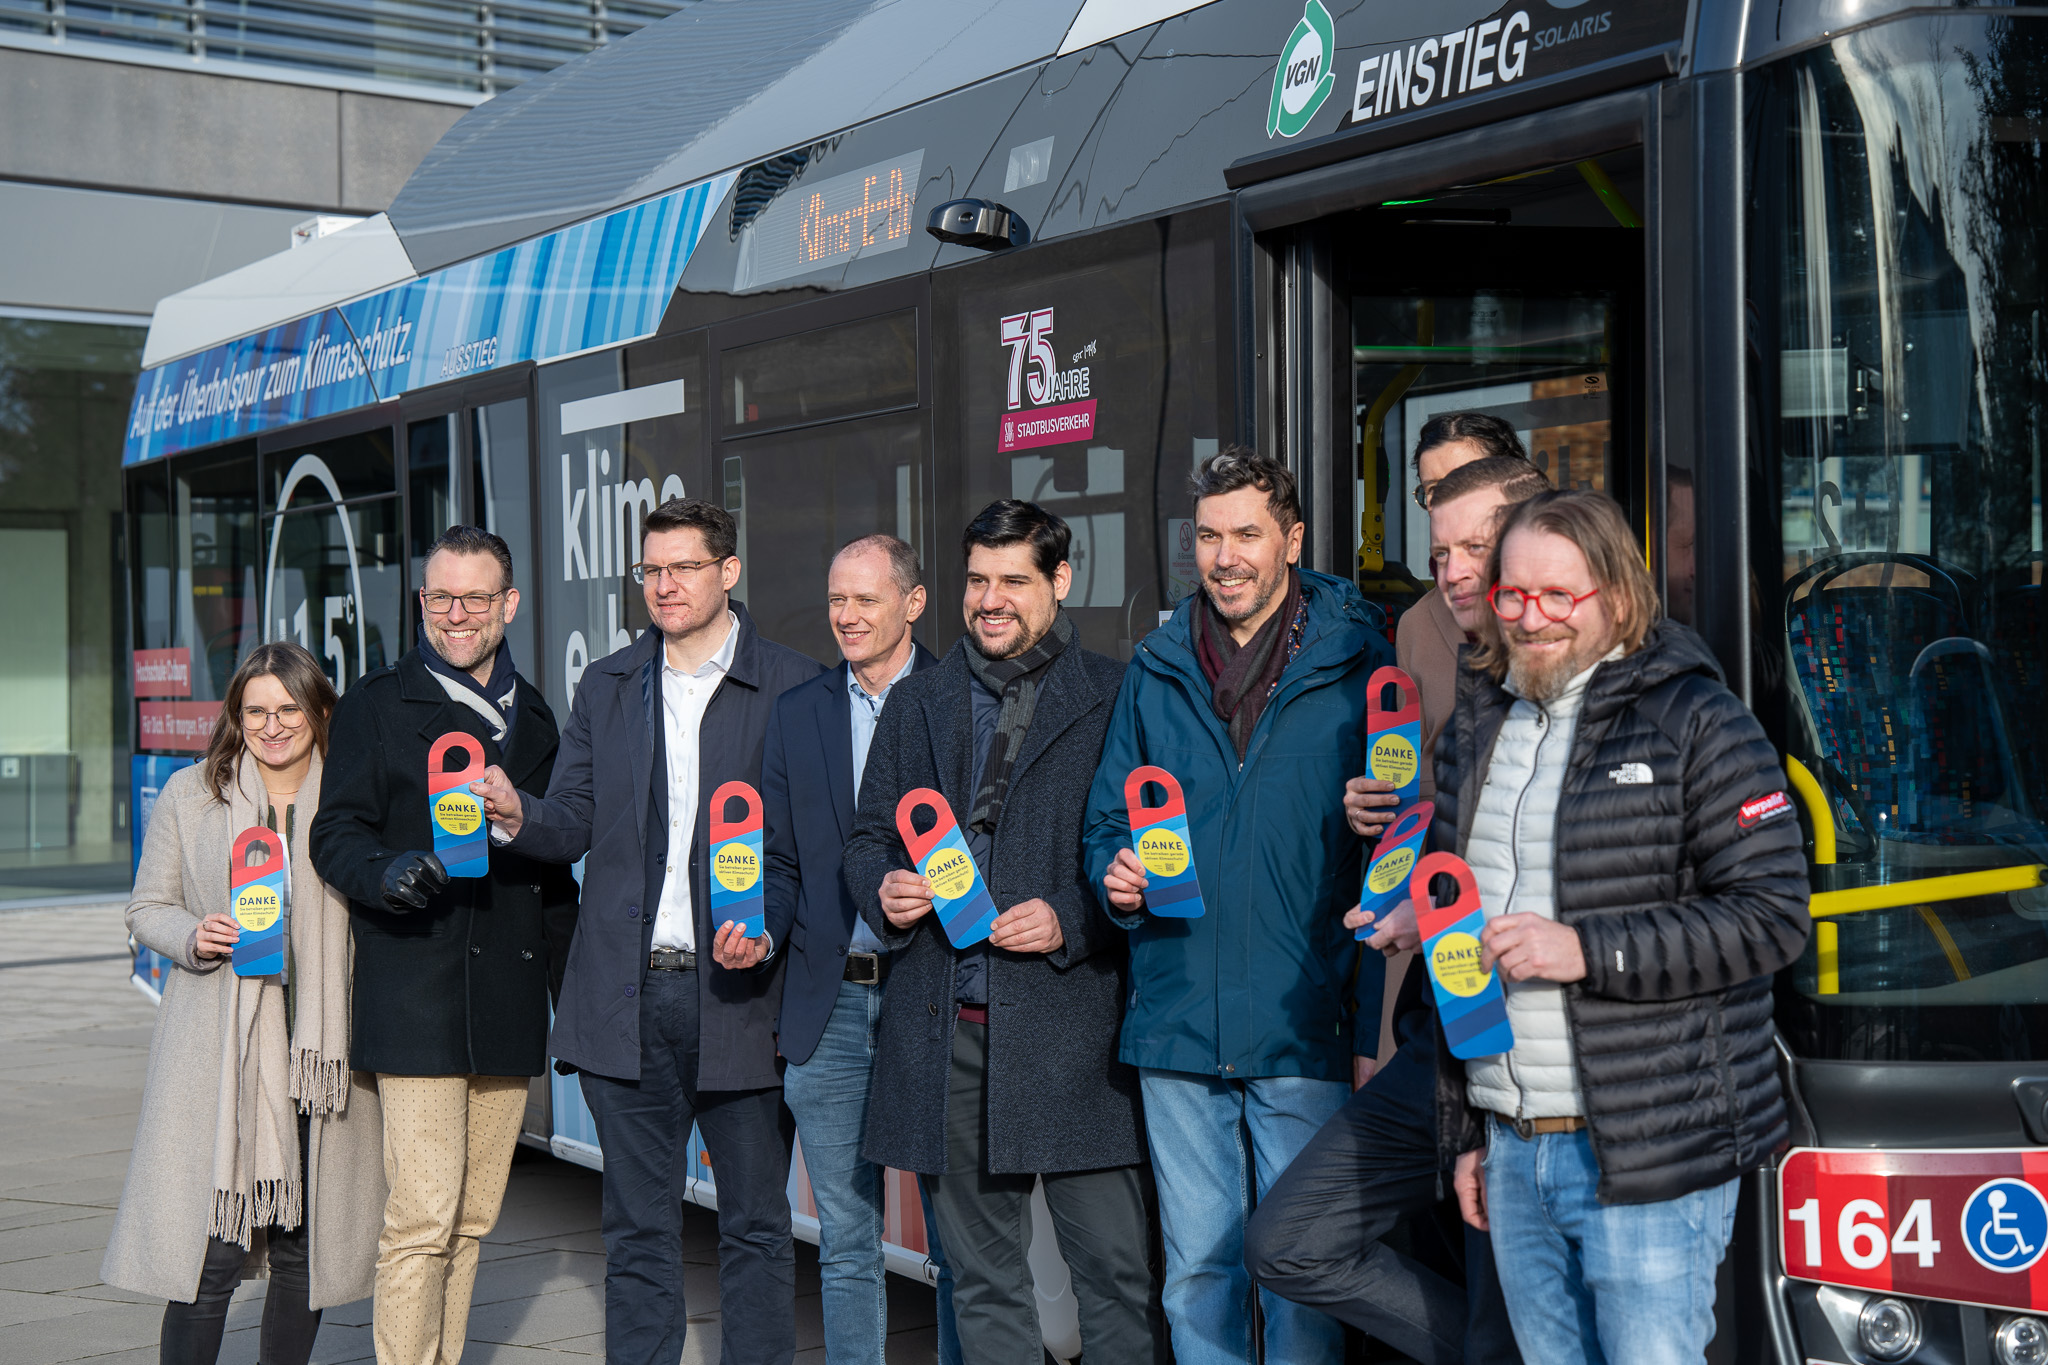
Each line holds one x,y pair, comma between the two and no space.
828,1094
1630,1284
1213,1142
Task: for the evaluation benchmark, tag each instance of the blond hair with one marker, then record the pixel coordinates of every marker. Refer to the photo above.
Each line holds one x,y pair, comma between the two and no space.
1596,524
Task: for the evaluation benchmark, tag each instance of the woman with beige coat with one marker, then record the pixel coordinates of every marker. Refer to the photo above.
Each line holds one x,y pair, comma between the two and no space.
258,1151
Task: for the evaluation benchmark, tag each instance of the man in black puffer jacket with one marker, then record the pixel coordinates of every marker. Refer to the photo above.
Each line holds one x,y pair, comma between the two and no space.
1639,863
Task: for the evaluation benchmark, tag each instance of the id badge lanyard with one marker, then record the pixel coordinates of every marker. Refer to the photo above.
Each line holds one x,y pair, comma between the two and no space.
959,898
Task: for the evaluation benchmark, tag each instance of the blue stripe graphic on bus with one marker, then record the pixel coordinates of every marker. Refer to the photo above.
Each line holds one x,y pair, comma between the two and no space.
595,284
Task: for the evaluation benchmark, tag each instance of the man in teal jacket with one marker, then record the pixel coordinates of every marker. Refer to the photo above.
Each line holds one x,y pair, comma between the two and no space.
1244,1021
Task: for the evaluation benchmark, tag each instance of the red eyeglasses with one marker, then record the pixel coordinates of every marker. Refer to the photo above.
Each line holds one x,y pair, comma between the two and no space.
1552,604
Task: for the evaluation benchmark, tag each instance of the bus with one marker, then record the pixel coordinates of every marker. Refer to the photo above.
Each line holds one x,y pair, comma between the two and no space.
1770,274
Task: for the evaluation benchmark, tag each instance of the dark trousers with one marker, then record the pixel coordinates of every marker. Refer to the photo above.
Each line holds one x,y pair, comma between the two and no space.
644,1128
1102,1219
1315,1237
192,1331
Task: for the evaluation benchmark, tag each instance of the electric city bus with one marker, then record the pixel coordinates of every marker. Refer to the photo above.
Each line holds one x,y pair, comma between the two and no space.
1770,272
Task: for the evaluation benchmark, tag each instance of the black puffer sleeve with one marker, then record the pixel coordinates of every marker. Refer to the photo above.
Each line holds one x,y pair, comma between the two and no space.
1747,914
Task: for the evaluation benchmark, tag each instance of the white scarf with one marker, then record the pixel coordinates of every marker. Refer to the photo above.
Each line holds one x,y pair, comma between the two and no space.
267,1069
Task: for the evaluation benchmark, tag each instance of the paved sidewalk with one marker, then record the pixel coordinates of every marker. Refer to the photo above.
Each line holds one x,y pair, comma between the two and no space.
74,1044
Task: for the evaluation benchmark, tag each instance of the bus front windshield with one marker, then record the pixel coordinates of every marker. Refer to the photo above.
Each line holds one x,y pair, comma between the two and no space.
1897,196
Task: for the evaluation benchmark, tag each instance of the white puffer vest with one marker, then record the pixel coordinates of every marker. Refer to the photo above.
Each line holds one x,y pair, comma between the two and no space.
1512,850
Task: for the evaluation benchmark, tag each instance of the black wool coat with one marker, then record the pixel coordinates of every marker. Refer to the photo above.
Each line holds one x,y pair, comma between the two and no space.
1058,1098
1688,889
609,801
460,987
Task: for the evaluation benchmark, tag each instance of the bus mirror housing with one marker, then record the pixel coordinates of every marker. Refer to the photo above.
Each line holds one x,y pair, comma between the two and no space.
979,223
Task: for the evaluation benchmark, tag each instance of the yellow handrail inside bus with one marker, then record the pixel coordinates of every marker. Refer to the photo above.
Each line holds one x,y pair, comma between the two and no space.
1990,882
1946,940
1807,788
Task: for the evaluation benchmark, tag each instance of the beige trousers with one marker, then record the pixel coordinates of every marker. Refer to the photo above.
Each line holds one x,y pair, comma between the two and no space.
448,1144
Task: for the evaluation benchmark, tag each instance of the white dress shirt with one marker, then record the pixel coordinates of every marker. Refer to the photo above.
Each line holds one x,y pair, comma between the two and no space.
683,699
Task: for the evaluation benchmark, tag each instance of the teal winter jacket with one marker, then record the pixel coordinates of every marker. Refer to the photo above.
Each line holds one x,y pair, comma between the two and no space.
1267,982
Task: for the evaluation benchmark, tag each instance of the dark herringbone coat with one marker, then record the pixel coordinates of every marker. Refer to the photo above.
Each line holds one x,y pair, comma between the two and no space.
1058,1098
1688,891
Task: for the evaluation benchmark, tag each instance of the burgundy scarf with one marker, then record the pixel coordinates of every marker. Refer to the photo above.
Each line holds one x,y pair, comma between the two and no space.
1243,678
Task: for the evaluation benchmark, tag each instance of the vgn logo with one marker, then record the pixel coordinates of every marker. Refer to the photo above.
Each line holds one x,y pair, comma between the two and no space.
1303,81
2005,1225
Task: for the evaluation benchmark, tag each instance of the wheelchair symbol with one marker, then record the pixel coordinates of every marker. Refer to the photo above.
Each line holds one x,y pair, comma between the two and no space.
2005,1225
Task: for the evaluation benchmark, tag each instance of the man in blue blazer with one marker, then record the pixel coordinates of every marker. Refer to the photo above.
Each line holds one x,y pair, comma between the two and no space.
811,766
669,1014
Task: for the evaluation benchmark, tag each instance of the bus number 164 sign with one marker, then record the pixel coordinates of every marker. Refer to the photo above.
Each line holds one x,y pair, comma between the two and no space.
1965,1226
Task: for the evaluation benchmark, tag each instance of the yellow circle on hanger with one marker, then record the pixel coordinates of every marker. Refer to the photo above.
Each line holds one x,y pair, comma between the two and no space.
1454,961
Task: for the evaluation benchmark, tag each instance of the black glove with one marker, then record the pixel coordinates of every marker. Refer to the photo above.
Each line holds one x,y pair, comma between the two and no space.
410,880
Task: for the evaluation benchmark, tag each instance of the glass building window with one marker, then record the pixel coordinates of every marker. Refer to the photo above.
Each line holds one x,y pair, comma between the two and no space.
64,730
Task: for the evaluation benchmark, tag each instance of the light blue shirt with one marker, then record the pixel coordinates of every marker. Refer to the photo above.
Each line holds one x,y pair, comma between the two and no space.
866,711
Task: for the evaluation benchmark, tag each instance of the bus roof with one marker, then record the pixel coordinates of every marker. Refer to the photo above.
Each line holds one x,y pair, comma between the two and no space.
562,216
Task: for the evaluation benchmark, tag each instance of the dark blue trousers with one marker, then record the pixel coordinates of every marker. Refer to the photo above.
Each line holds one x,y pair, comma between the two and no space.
644,1128
1315,1237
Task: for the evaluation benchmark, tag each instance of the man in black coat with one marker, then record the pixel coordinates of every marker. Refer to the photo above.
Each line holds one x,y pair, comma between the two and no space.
1638,860
837,973
668,1014
452,975
996,1063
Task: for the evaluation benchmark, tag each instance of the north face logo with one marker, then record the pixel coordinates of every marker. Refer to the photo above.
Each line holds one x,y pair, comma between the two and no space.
1631,775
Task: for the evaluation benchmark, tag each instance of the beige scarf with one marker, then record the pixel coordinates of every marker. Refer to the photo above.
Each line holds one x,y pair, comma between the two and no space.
256,1137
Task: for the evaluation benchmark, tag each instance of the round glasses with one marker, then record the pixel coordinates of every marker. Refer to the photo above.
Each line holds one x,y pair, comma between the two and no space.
256,718
1552,604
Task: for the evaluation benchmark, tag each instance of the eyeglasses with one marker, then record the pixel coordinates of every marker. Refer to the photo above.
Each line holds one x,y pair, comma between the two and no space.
256,718
475,603
675,573
1552,604
1423,490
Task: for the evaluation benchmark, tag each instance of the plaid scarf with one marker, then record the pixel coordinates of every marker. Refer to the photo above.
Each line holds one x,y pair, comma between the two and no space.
1243,678
1016,681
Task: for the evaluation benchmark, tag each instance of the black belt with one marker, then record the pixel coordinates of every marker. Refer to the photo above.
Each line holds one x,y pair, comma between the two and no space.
866,969
672,960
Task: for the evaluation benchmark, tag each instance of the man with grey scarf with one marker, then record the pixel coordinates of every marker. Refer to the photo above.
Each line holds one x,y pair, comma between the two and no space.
995,1064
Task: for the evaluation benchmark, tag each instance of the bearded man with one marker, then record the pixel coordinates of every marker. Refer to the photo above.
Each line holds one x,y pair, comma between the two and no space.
1639,864
1254,1019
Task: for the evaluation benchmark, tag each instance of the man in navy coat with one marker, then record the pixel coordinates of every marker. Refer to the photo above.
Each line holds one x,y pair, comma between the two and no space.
669,1017
817,748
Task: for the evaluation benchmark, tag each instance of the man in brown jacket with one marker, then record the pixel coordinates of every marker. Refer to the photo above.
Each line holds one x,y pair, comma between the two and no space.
1427,638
